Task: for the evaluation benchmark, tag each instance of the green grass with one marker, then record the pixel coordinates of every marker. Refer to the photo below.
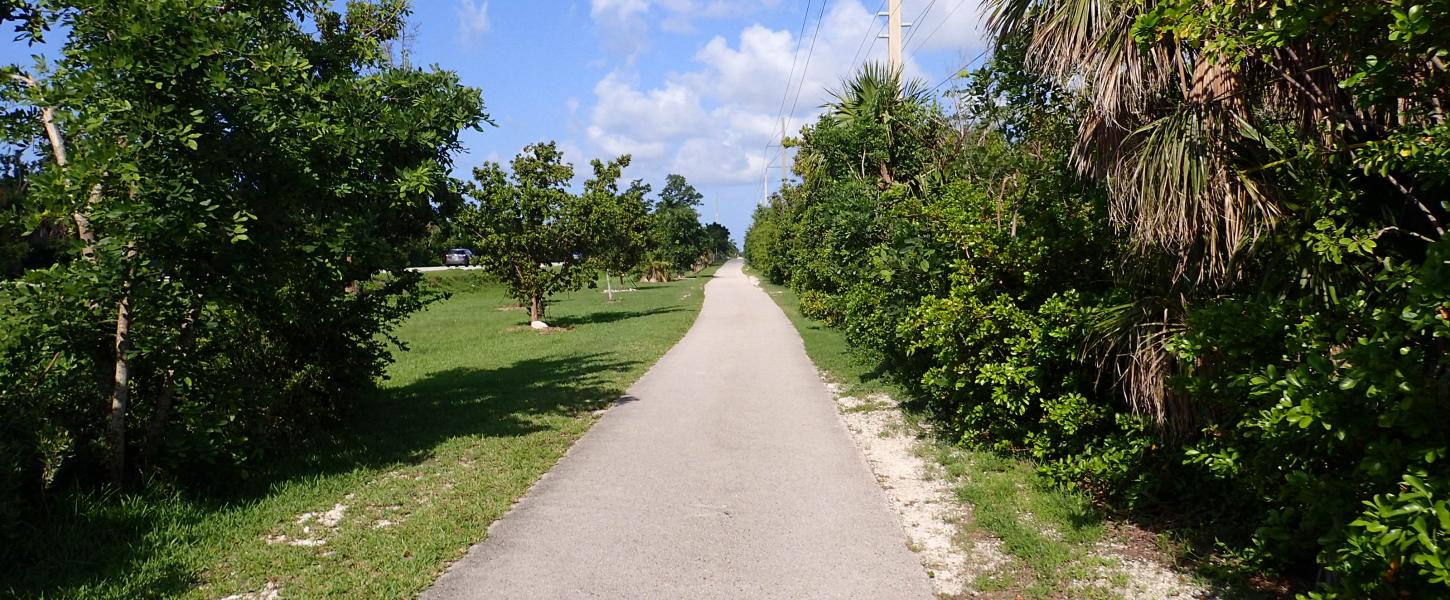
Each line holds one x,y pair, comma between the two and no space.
1047,531
469,418
856,372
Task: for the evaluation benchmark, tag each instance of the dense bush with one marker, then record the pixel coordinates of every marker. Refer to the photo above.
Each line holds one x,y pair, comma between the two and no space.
1212,294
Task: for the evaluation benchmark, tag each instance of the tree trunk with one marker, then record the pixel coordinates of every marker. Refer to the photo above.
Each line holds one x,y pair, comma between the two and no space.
116,431
156,428
353,287
536,308
62,159
608,285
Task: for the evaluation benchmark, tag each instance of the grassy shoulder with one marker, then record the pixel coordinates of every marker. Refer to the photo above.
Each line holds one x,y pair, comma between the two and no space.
470,416
1047,533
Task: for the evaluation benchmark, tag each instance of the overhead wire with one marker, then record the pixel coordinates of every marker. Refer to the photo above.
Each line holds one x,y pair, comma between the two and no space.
945,19
916,24
789,81
959,70
872,31
805,72
820,17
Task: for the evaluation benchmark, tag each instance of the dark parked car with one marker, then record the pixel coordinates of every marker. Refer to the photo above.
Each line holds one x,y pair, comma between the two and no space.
458,257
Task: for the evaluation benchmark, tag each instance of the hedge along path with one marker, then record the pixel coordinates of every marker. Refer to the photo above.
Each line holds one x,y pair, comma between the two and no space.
725,473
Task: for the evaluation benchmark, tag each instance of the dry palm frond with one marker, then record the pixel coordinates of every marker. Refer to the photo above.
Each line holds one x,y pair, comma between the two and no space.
1174,185
1160,123
1163,129
1131,340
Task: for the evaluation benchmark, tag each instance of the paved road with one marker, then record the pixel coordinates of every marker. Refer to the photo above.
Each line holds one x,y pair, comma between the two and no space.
727,474
432,269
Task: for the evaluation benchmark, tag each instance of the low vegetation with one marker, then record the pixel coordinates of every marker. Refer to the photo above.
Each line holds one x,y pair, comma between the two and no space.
465,423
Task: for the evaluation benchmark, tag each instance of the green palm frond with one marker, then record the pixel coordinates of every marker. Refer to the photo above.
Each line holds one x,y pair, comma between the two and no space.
875,92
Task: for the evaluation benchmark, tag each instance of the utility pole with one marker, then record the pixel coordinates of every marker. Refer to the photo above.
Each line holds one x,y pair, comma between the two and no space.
893,35
765,186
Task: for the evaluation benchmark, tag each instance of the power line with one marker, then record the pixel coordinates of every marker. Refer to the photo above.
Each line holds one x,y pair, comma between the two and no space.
805,72
959,70
871,32
820,17
916,25
800,38
789,80
944,21
867,56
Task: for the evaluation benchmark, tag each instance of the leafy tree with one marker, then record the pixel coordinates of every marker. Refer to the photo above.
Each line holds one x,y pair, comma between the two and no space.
1181,253
622,219
534,235
718,242
676,236
216,186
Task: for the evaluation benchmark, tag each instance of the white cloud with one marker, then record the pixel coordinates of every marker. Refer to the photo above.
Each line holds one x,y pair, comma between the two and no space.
625,25
948,25
621,24
713,122
473,20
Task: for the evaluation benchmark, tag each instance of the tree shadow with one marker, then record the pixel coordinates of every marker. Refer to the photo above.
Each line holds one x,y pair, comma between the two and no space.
88,539
1197,530
610,316
403,425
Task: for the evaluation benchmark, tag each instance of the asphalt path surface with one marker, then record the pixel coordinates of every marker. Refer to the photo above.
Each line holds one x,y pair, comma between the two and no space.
725,473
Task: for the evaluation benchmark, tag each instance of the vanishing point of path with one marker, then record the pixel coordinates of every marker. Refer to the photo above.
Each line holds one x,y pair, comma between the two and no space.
725,474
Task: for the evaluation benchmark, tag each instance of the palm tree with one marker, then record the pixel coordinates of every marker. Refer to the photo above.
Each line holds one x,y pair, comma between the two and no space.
1174,127
1159,128
877,100
1175,131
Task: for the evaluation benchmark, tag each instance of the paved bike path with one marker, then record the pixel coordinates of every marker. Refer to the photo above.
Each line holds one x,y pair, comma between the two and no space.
726,474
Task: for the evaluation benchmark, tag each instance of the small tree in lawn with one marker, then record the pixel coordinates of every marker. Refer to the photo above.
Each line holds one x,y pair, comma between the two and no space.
620,220
533,234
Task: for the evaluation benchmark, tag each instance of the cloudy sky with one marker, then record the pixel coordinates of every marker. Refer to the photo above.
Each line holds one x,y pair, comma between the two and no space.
695,87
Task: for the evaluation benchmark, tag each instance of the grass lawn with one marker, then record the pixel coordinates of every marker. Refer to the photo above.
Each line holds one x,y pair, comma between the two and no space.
473,414
1048,532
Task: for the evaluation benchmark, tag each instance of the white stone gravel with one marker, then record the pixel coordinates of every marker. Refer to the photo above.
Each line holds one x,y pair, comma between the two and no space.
929,512
933,516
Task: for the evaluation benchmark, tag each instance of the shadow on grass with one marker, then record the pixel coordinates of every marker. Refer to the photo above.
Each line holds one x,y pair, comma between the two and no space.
611,316
90,539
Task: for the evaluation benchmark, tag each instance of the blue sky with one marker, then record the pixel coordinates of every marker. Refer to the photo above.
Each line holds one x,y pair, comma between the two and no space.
685,86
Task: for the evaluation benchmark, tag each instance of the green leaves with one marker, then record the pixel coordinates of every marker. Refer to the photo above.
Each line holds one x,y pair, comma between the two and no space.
532,232
246,166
